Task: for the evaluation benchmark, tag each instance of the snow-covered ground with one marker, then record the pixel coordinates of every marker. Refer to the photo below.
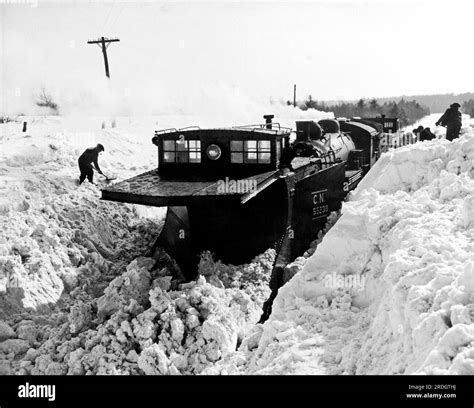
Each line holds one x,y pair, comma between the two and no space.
389,289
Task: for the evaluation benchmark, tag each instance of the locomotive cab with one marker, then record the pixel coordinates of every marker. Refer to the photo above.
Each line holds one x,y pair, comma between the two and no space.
364,136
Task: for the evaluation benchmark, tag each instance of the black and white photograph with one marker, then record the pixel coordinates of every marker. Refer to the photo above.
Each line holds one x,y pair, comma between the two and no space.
246,191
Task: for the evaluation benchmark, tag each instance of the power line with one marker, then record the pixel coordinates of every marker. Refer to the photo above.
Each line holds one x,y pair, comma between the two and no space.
108,16
117,17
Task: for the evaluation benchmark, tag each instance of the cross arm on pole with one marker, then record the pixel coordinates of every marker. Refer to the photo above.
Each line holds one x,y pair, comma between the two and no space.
104,43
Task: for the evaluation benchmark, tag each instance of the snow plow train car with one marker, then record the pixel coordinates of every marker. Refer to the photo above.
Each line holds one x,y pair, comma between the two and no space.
241,190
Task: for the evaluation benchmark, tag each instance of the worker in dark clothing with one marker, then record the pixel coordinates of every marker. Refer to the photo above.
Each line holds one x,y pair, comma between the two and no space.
417,131
296,149
286,157
426,134
452,120
86,160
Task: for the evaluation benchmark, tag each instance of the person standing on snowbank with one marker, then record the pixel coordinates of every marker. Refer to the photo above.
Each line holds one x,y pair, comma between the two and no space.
86,159
452,120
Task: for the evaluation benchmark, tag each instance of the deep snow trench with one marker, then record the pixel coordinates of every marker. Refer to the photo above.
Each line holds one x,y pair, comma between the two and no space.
389,290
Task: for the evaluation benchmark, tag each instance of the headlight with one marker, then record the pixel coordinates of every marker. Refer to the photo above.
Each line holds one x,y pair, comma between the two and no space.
213,152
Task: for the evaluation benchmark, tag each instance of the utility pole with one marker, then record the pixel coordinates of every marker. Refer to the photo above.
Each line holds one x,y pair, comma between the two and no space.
294,96
104,44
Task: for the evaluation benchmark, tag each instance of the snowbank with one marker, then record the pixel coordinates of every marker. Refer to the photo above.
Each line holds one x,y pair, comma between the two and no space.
390,290
53,231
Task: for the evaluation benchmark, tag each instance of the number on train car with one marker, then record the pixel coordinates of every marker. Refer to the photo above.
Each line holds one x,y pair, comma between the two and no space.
320,207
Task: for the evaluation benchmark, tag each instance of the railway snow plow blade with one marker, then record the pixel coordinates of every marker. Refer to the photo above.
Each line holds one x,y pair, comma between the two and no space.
235,225
175,238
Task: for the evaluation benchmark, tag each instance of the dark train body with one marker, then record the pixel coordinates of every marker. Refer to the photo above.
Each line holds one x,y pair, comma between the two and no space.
239,191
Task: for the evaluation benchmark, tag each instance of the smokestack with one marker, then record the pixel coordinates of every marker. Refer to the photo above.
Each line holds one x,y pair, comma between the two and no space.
294,96
268,120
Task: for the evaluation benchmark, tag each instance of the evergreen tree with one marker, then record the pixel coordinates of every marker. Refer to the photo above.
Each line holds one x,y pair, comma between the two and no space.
361,107
374,105
468,107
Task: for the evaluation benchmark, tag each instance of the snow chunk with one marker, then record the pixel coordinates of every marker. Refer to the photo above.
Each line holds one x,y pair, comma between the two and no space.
153,361
6,332
15,346
133,284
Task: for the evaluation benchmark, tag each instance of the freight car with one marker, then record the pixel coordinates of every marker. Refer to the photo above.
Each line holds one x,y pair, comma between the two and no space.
241,190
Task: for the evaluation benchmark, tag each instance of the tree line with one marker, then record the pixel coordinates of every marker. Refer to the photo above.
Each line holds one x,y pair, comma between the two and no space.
468,107
408,112
436,103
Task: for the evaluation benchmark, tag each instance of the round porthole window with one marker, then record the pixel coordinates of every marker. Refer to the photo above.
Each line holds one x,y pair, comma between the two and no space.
213,152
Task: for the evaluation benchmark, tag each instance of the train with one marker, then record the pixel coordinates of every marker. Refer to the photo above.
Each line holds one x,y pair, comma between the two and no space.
237,191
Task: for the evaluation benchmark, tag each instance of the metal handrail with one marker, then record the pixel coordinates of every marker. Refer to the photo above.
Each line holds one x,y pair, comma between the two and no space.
260,126
263,126
189,128
169,130
174,130
328,158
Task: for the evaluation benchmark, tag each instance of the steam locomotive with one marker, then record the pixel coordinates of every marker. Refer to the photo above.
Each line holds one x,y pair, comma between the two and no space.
238,191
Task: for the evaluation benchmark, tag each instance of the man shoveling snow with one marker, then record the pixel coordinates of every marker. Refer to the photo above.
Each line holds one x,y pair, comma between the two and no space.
87,160
452,120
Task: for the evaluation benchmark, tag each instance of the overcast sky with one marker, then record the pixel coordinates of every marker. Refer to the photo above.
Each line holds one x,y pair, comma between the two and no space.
332,50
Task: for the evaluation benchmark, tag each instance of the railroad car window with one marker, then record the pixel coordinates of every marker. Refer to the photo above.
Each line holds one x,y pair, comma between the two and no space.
169,145
250,151
237,151
169,157
264,153
195,151
182,155
187,151
237,145
169,151
237,158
